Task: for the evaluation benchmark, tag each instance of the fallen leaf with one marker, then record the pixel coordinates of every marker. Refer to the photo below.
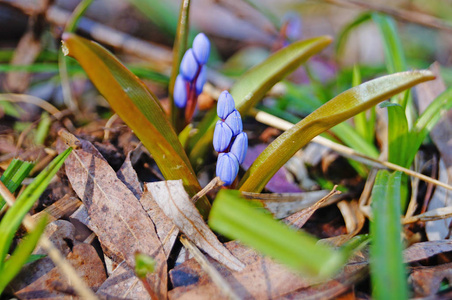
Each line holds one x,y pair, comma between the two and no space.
298,219
166,230
426,280
420,251
175,203
123,284
129,177
282,205
61,208
88,266
116,216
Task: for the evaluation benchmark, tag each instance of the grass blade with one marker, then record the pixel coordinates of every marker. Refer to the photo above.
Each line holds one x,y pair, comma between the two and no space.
139,109
239,219
337,110
13,217
387,269
21,255
13,176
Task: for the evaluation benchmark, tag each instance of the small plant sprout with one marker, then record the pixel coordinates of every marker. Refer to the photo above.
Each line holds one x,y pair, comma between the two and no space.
192,75
229,139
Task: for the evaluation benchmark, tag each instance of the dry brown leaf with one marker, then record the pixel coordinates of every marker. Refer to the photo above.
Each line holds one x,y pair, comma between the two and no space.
420,251
123,284
166,230
298,219
283,205
63,207
426,281
175,203
129,177
116,216
88,265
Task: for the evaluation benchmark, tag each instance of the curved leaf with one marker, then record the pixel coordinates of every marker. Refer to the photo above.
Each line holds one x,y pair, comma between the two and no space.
337,110
138,108
252,86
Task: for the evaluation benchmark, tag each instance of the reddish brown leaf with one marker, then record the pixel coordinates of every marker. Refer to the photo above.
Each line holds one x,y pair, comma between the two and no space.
426,281
116,216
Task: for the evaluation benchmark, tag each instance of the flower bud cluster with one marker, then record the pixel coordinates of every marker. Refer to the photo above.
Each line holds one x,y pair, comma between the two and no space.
229,139
192,73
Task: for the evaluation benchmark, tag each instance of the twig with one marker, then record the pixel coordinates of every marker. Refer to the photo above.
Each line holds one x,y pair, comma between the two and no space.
432,215
281,124
66,269
401,14
213,184
216,277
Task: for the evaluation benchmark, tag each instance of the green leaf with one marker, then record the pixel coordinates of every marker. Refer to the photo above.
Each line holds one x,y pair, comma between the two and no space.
144,265
398,136
354,140
43,129
236,218
254,84
13,176
386,263
179,48
13,217
21,255
337,110
347,29
139,109
159,12
394,55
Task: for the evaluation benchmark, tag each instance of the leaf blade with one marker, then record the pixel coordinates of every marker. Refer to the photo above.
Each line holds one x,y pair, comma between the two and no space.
333,112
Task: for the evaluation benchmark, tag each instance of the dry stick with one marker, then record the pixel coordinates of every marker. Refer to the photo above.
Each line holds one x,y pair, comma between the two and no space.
79,285
401,14
432,215
216,277
281,124
213,184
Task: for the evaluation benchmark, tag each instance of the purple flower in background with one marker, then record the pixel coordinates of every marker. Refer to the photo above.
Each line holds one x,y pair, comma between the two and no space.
192,75
229,139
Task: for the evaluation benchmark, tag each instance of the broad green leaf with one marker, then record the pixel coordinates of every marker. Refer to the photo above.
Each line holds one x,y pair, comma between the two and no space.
13,217
252,86
139,109
239,219
159,12
347,29
386,263
21,255
179,48
13,176
335,111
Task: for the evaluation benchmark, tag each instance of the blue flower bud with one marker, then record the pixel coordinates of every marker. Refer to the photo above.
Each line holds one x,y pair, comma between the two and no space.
201,80
201,48
227,167
189,65
234,121
221,136
180,92
293,26
239,147
226,105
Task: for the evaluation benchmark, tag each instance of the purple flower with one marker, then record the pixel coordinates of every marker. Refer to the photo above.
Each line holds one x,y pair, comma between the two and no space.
189,65
226,105
221,136
180,92
239,146
201,80
227,167
201,48
234,121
